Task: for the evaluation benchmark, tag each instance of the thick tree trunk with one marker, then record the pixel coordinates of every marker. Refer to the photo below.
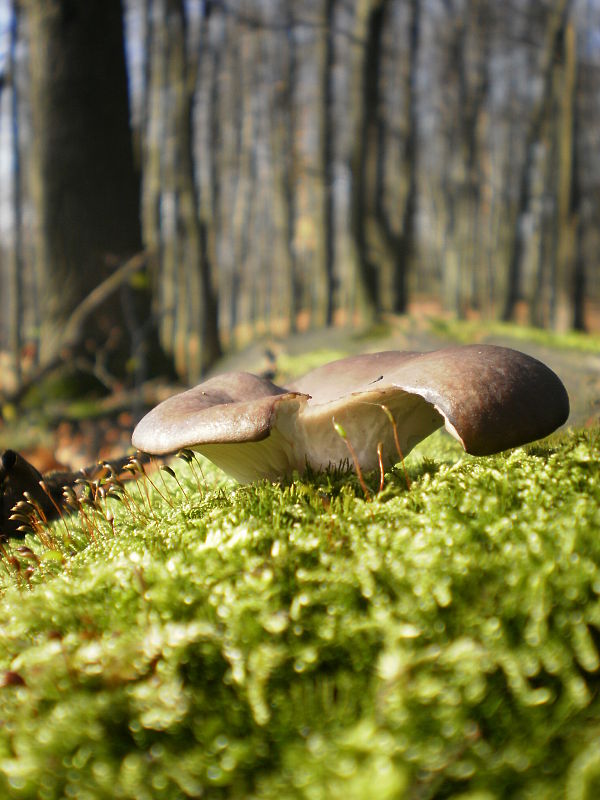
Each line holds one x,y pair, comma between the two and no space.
84,184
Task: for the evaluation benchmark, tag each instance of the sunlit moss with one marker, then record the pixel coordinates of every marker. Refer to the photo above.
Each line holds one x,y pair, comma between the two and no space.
297,641
469,331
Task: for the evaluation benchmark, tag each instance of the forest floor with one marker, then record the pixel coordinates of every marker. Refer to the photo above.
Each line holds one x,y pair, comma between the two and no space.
295,641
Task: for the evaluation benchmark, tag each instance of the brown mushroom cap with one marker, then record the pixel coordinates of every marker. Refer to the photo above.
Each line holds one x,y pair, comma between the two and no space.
489,398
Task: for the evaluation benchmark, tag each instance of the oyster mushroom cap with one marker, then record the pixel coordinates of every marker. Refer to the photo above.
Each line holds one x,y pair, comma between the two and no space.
489,398
237,420
230,408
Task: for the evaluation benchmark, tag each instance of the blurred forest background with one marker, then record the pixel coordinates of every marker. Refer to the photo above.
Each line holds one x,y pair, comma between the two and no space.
179,177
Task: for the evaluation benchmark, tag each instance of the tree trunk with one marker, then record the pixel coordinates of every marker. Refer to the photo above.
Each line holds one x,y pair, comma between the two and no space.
196,337
394,189
539,116
84,183
15,289
364,101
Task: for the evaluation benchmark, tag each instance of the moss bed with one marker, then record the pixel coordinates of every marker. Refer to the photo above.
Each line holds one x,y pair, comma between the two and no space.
200,639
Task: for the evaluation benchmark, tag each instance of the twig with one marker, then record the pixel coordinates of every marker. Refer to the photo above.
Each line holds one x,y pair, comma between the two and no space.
74,329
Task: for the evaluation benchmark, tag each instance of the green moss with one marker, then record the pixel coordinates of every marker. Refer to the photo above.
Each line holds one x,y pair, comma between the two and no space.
469,331
295,641
292,366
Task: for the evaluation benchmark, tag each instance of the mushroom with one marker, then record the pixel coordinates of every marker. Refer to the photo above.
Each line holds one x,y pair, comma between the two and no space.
489,398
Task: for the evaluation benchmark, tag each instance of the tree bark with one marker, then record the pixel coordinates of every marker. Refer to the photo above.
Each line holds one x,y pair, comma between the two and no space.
394,193
539,116
16,300
196,336
84,184
364,100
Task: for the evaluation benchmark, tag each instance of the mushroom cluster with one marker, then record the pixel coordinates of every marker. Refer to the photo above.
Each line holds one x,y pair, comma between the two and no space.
489,398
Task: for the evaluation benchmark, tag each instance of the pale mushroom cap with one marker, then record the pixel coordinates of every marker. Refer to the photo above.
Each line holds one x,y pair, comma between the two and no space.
235,407
489,398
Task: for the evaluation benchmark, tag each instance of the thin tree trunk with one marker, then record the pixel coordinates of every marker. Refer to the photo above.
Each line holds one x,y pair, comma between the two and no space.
196,337
153,150
325,54
364,76
282,145
555,31
15,289
560,312
394,221
579,285
311,41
